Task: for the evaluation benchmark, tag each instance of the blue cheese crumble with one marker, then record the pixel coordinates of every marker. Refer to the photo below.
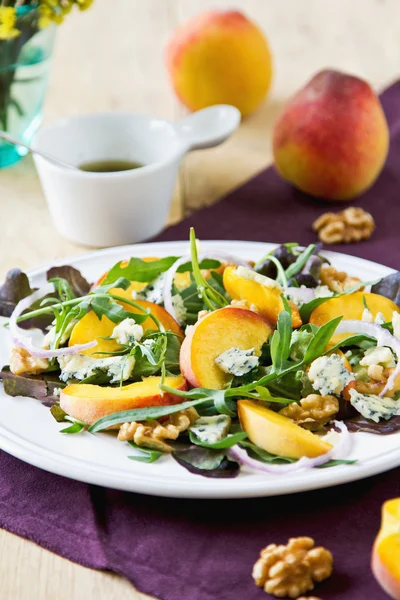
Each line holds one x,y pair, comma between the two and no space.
328,375
322,291
127,332
211,429
374,407
237,362
250,275
179,308
80,366
153,292
379,355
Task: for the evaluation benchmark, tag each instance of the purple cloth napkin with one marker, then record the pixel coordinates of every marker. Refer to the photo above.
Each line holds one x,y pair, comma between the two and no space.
204,550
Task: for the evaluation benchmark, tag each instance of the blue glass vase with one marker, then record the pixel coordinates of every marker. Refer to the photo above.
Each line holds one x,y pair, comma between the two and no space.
24,70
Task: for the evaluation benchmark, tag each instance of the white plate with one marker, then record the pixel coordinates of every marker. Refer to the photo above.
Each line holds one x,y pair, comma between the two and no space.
29,432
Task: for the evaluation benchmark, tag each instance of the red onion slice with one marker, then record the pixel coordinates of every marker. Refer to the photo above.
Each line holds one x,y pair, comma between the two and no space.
20,339
170,274
383,338
338,452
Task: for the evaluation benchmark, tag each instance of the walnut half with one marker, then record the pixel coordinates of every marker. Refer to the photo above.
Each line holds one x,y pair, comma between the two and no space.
21,361
313,411
337,281
152,434
292,570
350,225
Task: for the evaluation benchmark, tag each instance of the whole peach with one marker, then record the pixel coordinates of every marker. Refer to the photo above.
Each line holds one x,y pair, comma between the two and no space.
220,57
332,138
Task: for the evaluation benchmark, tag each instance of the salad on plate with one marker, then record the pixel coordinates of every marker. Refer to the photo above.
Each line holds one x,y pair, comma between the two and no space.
210,359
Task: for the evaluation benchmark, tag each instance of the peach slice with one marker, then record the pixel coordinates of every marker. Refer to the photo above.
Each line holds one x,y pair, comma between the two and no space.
88,402
90,327
215,333
277,434
267,300
385,562
351,306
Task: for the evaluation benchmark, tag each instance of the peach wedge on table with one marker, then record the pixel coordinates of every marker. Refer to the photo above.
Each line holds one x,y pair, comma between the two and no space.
90,327
88,402
277,434
385,562
267,299
215,333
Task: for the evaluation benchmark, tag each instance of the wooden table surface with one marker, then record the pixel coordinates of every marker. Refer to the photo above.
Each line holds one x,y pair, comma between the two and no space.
111,58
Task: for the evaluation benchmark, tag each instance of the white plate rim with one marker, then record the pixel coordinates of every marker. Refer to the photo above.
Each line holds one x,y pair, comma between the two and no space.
198,487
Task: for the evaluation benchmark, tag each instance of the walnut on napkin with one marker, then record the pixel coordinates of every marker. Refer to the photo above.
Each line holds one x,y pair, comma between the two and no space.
350,225
292,570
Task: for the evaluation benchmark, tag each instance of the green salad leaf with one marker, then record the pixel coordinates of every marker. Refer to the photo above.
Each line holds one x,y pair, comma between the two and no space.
206,263
107,306
223,444
280,341
300,262
141,414
146,455
212,298
139,270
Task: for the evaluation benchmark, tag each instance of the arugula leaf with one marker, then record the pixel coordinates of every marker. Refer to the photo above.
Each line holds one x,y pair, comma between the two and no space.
335,463
103,305
147,455
352,340
280,342
320,339
262,455
121,283
315,348
139,270
212,298
141,414
58,413
76,427
301,260
206,264
223,444
298,343
169,355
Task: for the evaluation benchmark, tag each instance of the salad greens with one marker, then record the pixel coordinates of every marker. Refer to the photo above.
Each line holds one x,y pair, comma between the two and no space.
151,347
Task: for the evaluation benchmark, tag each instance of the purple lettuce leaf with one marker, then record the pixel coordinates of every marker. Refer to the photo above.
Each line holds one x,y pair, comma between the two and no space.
41,387
384,427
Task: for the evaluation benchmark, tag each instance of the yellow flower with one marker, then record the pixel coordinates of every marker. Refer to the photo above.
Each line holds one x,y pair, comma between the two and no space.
66,6
84,4
8,18
49,13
